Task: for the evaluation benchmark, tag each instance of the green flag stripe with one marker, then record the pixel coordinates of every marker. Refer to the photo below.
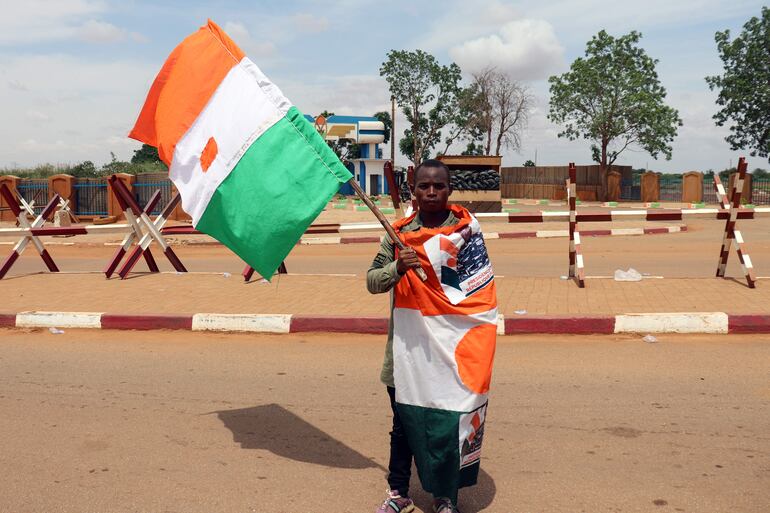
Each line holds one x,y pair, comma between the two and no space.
433,438
274,193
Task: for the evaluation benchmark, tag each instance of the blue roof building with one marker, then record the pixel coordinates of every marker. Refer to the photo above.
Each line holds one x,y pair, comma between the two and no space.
366,131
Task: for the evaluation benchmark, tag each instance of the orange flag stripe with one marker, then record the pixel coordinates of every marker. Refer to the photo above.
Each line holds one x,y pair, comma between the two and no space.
184,86
428,297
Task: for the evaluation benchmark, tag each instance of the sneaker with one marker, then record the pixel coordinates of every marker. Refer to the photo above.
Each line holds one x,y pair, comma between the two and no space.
394,503
444,505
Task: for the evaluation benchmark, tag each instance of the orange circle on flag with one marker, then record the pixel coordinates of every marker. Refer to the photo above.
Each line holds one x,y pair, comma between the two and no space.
474,356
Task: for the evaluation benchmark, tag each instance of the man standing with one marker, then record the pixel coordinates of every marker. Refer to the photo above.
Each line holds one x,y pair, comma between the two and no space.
438,359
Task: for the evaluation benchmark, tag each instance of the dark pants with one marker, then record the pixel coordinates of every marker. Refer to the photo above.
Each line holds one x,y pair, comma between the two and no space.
400,466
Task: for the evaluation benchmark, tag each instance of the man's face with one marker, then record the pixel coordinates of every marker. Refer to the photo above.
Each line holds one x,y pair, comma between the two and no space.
432,189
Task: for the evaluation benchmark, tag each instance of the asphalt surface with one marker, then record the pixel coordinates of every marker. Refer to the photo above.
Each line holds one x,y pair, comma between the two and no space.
100,421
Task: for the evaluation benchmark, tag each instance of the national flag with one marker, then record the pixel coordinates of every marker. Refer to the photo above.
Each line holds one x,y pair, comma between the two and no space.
444,335
251,170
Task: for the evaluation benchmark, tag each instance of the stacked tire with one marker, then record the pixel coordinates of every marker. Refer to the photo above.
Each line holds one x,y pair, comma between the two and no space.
486,180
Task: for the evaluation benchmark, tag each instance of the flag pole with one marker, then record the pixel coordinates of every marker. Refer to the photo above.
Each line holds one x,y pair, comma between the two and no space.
385,224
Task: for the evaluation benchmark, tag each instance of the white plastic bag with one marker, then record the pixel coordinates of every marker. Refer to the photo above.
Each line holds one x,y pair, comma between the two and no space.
630,275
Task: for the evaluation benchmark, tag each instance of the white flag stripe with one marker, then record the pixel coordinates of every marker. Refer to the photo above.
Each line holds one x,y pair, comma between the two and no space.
244,106
425,368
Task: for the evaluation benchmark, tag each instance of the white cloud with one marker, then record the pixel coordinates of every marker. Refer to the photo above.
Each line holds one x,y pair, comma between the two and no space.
464,20
360,95
139,38
620,17
309,23
254,49
94,31
33,21
37,146
17,86
39,21
36,115
527,49
82,115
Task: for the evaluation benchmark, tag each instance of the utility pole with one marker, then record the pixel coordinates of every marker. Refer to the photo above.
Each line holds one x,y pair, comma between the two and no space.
393,130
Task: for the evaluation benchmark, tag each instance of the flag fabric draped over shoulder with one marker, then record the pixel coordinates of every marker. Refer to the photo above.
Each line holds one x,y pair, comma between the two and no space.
444,335
251,171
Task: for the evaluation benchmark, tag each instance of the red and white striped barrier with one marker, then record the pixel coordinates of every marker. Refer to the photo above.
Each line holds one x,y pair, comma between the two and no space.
732,234
130,238
29,236
140,230
538,234
575,255
623,215
144,230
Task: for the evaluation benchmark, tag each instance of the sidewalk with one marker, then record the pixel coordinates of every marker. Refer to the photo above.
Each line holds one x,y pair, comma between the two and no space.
341,303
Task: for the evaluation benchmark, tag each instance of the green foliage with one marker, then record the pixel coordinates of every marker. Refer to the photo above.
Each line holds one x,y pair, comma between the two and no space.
529,163
466,121
384,117
744,89
146,153
345,149
613,96
115,166
473,149
406,145
85,169
760,173
427,93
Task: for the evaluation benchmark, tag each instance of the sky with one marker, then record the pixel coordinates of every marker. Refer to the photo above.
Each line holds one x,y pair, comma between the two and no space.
74,73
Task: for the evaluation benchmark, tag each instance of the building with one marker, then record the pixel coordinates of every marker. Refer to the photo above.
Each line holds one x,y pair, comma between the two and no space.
366,131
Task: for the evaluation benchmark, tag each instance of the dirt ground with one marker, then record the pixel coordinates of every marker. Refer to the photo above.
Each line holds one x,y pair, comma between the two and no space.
136,422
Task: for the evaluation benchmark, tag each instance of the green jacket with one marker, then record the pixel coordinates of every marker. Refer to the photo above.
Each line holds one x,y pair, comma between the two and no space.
382,277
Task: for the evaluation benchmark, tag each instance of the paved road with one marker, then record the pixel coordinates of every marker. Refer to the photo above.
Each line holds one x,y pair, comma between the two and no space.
99,421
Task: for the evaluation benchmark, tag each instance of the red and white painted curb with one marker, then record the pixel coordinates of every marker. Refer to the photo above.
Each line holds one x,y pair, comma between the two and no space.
678,322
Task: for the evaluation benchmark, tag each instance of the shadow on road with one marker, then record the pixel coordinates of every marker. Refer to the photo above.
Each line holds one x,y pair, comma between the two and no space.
273,428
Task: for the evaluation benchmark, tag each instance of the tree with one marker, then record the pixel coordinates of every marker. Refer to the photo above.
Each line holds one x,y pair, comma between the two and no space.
384,117
115,166
345,149
503,111
466,123
744,89
146,153
529,163
613,96
406,146
426,92
511,104
473,149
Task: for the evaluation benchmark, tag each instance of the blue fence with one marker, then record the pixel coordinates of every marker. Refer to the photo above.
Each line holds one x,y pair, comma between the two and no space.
146,185
760,191
34,190
91,197
709,193
631,189
670,187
